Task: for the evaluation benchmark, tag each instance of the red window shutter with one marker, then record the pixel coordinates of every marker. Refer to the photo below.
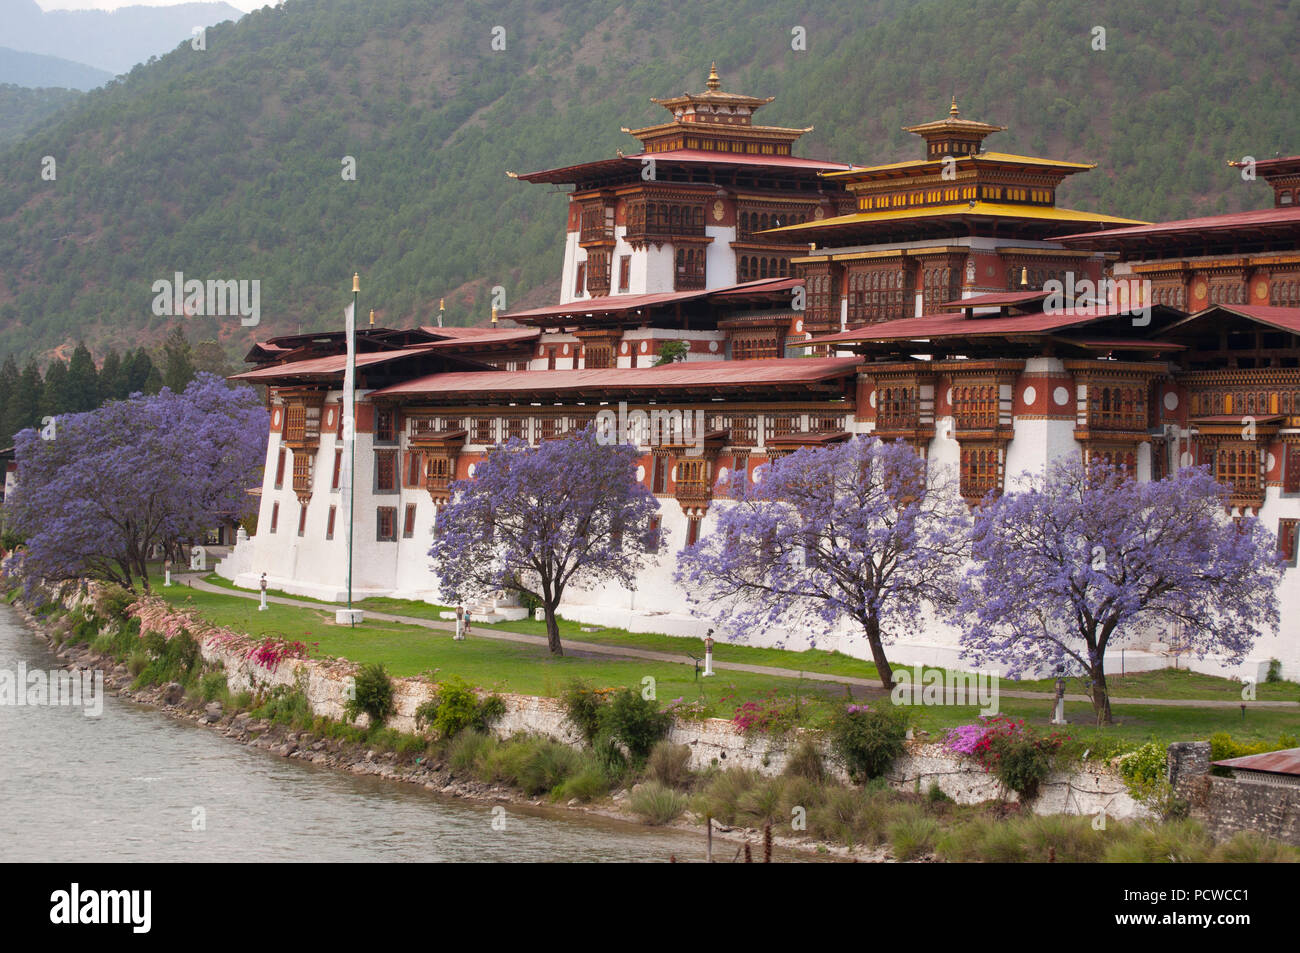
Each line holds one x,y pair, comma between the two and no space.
338,468
275,516
279,470
329,524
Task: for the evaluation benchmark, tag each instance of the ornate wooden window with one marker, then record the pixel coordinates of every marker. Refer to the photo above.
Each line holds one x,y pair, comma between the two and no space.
743,428
1291,469
437,474
385,424
1117,457
976,406
279,469
693,479
693,530
1237,465
898,407
624,272
329,523
598,265
386,471
483,430
754,345
302,473
689,274
408,524
598,355
580,281
1117,406
386,524
783,424
414,467
1286,539
980,471
661,463
516,427
823,303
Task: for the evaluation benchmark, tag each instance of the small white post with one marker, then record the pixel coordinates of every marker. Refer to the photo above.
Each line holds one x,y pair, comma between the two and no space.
460,625
1058,716
167,572
708,655
262,605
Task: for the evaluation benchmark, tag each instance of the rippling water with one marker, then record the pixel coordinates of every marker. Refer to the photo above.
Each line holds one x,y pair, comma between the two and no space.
125,786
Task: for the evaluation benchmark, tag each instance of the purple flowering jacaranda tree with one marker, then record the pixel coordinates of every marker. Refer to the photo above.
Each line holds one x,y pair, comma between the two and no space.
1084,556
95,491
536,520
852,531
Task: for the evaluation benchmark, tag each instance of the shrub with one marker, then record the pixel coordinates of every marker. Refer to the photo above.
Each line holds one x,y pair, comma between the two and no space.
285,705
800,792
1146,776
913,836
373,695
1070,839
1251,847
587,783
212,686
1022,760
761,804
868,738
635,723
583,706
468,750
172,660
1174,841
936,795
722,797
657,804
1274,671
137,661
456,707
769,716
112,601
668,764
806,761
546,765
851,816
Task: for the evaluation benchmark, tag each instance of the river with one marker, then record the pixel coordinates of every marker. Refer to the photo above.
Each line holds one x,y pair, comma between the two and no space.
136,785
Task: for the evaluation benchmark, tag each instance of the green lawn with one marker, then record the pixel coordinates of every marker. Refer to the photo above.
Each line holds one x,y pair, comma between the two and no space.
529,669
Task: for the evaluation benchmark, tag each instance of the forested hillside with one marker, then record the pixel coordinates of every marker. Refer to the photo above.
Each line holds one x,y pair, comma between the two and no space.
226,163
21,108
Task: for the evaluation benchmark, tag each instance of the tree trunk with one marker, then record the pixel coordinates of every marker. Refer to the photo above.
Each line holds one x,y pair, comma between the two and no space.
1100,696
872,628
553,631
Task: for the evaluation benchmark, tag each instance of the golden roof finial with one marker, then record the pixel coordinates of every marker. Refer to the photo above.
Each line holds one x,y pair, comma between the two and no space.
952,110
1024,277
714,83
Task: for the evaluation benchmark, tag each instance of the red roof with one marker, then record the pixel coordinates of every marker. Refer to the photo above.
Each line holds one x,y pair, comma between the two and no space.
690,374
631,163
1286,761
323,366
483,337
1289,215
953,325
611,304
1284,319
996,298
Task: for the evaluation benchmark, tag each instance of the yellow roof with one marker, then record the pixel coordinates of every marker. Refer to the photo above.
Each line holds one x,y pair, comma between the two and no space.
1039,212
986,156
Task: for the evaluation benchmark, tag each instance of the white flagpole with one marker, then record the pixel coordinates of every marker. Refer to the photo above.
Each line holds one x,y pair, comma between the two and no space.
350,425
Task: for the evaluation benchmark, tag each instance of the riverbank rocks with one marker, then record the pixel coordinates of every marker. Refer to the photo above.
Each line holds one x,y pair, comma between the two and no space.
212,713
173,692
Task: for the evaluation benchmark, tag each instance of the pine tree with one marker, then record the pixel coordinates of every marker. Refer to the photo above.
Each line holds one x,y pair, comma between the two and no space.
209,357
178,363
110,377
139,369
55,398
21,412
83,381
8,384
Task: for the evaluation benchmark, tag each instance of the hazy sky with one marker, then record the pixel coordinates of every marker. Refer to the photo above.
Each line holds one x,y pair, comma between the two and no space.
244,5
